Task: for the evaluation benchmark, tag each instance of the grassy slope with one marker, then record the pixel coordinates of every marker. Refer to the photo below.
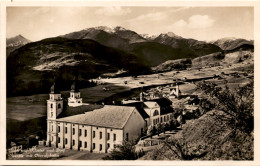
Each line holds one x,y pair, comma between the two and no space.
210,136
93,59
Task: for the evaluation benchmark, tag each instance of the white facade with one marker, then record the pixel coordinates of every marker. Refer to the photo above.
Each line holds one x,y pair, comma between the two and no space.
54,108
154,112
87,138
64,133
74,100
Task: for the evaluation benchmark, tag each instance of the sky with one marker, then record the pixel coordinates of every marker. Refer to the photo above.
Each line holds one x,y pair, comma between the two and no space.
201,23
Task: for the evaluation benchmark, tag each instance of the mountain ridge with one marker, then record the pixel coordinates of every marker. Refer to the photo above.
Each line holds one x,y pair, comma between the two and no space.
93,52
230,43
17,40
141,45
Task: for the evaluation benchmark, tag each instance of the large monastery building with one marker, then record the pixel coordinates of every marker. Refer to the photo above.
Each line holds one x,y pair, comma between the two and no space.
99,128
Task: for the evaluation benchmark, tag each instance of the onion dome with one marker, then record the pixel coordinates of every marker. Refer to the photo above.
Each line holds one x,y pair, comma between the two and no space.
74,87
54,89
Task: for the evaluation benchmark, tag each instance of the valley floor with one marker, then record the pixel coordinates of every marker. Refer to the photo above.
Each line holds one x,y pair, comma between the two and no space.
18,108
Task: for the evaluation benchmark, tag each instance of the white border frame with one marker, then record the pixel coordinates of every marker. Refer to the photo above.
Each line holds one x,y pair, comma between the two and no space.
220,3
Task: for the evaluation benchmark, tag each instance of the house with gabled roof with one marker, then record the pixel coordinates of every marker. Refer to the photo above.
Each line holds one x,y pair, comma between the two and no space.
153,111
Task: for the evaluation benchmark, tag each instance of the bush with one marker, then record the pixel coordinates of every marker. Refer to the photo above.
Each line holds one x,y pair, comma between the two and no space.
160,128
126,151
205,106
151,130
173,124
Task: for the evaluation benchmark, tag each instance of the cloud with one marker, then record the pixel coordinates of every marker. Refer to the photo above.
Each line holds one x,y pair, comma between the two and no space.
113,11
157,16
194,22
180,23
200,21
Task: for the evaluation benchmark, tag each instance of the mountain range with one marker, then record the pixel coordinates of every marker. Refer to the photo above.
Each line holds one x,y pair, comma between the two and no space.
15,42
231,43
94,51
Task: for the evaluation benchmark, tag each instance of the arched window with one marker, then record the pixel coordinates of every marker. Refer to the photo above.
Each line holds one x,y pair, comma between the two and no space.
59,105
156,112
51,105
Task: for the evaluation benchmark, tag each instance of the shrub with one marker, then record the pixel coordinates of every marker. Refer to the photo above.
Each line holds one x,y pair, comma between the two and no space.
151,130
126,151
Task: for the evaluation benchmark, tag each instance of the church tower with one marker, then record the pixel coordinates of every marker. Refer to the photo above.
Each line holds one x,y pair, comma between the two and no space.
54,104
177,90
54,108
142,96
74,100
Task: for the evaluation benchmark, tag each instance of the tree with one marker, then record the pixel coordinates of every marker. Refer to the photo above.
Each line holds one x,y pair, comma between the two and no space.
237,105
205,106
178,110
173,124
181,150
159,128
166,127
126,151
151,130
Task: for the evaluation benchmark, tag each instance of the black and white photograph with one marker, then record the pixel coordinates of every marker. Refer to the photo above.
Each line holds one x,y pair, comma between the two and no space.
129,82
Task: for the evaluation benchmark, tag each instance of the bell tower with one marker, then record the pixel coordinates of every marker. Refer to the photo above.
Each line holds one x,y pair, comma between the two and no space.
141,96
54,108
177,90
74,100
55,103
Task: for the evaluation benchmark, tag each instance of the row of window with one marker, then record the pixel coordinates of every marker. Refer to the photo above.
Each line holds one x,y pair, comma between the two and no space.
100,135
75,95
85,133
59,105
163,119
85,144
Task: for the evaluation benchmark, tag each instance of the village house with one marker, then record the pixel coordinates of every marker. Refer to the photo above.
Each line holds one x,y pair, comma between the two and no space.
99,130
153,111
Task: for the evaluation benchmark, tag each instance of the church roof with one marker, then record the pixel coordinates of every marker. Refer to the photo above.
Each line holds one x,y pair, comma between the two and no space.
81,109
108,116
162,102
